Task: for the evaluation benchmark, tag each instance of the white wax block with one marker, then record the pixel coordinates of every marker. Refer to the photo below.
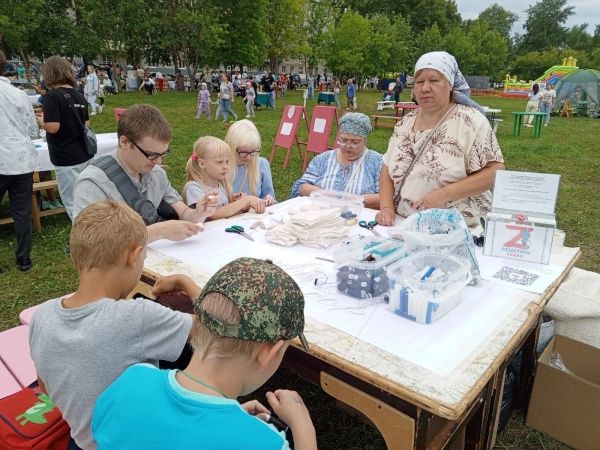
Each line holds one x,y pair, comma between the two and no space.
394,298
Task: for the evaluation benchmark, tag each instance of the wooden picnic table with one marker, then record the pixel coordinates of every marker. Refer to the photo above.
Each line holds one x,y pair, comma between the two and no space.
405,106
412,406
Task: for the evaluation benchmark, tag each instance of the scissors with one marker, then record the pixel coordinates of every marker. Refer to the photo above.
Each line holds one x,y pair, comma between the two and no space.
239,230
369,226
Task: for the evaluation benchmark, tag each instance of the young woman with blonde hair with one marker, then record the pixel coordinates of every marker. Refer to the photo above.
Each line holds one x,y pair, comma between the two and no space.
206,171
249,173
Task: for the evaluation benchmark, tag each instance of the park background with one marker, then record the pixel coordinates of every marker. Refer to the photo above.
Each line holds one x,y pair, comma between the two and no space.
354,38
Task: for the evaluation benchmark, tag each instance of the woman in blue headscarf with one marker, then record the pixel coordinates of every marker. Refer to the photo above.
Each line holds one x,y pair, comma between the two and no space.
444,155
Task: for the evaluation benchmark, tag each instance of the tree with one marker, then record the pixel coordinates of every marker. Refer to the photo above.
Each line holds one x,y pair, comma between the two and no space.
499,19
284,29
244,23
389,46
491,49
579,39
320,17
429,40
544,27
458,44
348,44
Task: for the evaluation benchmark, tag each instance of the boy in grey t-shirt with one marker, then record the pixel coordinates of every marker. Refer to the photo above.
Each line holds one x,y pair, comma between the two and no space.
82,344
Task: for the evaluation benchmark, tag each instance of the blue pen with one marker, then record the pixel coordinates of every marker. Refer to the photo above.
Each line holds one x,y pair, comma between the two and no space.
429,272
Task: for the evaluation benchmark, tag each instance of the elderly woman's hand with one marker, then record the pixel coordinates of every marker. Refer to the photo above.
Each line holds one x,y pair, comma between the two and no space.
435,199
386,217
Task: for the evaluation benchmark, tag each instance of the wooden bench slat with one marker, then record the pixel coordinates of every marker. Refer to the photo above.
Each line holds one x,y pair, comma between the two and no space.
40,186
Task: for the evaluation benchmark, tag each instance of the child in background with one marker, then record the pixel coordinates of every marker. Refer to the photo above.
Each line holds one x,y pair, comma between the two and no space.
219,109
203,102
101,98
82,344
239,339
250,94
206,171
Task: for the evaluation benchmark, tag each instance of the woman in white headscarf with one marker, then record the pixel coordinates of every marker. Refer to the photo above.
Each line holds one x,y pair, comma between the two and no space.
444,155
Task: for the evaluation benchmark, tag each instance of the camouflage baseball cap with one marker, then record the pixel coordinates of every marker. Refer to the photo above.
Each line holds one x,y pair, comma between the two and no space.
270,303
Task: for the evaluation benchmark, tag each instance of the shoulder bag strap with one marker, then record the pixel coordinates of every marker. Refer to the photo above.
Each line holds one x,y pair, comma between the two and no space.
418,155
116,174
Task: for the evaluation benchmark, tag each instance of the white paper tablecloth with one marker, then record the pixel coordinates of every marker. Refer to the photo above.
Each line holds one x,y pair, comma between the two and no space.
107,142
439,347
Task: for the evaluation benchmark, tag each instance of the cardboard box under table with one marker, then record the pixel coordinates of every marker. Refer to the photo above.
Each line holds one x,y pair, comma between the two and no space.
423,386
565,406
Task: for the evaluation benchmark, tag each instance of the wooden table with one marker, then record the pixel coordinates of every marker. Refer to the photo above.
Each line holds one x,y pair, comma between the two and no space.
537,127
414,408
405,106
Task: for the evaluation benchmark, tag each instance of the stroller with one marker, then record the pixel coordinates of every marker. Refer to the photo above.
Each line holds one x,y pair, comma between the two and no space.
108,87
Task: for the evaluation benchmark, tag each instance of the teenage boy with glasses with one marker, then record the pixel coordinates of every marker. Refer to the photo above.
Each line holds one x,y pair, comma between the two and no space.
144,136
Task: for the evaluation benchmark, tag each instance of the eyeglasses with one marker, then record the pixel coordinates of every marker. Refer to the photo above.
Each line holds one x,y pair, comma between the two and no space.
348,143
151,156
244,154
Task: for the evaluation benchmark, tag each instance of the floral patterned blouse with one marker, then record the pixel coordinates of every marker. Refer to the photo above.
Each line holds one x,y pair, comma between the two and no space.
462,145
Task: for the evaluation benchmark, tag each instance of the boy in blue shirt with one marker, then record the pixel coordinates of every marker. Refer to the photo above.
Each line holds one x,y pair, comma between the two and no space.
246,316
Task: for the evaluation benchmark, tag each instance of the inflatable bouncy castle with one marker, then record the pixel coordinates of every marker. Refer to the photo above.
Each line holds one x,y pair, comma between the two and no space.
519,89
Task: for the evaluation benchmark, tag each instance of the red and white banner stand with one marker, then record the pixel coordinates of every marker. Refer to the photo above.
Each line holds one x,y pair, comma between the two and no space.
288,131
320,131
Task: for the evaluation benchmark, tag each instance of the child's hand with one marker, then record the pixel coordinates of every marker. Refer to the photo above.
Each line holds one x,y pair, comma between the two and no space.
269,199
207,205
290,408
170,284
239,195
258,204
255,408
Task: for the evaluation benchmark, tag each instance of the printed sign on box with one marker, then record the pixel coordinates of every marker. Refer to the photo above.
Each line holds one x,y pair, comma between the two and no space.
517,240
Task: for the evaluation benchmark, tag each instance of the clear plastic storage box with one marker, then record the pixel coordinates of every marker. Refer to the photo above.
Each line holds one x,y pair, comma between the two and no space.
351,205
361,266
427,285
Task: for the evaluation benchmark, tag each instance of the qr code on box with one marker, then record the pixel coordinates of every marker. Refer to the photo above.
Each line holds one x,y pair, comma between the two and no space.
516,276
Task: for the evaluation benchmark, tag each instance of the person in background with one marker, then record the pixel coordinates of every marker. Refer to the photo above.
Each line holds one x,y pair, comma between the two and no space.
226,98
534,98
283,84
250,96
148,84
248,172
64,118
398,90
197,76
350,93
179,80
18,161
33,73
91,88
203,101
21,71
311,87
548,100
336,91
351,167
239,338
139,73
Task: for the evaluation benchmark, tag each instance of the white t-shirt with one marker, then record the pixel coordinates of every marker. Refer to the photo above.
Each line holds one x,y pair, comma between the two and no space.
534,97
548,95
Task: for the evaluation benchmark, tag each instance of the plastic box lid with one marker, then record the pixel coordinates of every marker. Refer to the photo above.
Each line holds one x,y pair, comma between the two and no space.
343,200
403,271
385,250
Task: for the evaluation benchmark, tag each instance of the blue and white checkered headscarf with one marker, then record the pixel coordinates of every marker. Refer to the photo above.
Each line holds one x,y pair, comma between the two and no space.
446,64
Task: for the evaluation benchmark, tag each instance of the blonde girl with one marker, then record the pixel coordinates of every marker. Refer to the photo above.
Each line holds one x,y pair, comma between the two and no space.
206,171
249,173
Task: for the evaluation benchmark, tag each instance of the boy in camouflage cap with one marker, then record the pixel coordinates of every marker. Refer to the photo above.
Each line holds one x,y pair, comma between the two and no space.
247,313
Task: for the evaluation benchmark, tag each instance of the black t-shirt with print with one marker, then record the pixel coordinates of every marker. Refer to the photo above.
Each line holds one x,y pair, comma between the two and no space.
266,83
69,108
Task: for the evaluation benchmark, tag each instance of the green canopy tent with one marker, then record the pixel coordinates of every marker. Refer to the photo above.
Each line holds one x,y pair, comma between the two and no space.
582,88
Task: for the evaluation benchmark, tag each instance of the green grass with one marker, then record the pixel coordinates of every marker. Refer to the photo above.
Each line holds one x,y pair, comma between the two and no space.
568,147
